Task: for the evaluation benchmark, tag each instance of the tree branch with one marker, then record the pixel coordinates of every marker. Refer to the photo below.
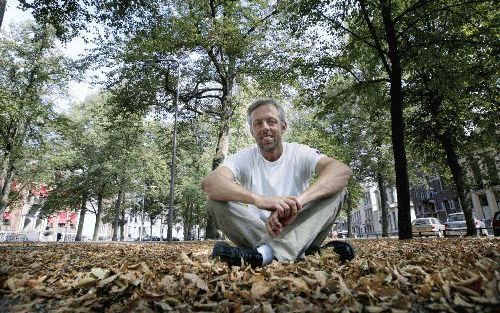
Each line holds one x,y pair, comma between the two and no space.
347,30
373,33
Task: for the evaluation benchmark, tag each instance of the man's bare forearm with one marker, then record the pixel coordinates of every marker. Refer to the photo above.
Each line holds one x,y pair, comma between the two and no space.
333,176
219,187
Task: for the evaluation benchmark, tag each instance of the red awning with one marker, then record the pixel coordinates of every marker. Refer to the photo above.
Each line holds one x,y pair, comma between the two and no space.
62,217
73,217
6,215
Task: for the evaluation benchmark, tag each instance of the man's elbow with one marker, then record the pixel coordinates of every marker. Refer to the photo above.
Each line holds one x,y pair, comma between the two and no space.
205,185
344,173
347,172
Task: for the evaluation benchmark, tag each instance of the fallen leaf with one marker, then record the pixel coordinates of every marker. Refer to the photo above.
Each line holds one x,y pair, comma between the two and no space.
185,259
85,281
259,289
100,273
199,283
321,277
298,282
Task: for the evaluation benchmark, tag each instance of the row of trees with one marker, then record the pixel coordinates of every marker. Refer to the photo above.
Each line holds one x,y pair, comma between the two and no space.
383,84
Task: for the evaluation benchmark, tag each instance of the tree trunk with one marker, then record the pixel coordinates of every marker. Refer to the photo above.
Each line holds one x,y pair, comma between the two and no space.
4,169
5,191
397,125
222,143
117,215
83,210
458,179
188,222
349,217
447,142
383,202
122,225
220,155
3,5
97,217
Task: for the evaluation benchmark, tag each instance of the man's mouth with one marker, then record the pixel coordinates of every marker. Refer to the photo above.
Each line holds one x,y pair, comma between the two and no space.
267,138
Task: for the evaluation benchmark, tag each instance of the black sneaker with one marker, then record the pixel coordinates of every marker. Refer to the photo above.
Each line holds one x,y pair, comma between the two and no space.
342,248
312,250
235,255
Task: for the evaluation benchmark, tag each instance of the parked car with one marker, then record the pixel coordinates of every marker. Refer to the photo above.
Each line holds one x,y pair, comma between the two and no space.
342,234
427,226
496,224
148,238
455,225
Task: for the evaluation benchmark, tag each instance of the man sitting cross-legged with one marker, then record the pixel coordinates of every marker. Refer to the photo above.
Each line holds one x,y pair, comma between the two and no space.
272,212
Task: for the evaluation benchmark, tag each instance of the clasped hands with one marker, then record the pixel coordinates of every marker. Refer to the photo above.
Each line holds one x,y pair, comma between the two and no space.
283,209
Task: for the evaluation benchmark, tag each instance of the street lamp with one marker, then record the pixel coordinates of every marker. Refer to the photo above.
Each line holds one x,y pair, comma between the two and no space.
174,148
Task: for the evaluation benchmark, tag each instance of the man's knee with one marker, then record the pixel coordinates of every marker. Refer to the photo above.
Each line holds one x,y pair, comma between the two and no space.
215,207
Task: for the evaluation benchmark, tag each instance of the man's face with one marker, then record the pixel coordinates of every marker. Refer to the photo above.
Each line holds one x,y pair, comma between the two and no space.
267,129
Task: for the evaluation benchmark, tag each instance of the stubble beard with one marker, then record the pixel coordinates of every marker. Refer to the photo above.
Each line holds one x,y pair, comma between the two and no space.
269,148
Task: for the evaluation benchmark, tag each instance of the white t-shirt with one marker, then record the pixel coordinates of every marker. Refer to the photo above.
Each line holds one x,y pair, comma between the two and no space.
287,176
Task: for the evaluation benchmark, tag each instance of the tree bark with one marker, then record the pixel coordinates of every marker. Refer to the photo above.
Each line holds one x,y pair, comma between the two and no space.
97,217
458,178
5,191
397,124
83,210
4,169
220,155
446,140
122,225
3,5
117,215
383,202
349,217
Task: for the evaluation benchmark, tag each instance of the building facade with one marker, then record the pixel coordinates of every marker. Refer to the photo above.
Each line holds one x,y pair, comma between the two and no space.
366,215
22,222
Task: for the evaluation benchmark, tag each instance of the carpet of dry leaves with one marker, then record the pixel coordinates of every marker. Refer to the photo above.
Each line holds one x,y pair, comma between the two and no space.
387,275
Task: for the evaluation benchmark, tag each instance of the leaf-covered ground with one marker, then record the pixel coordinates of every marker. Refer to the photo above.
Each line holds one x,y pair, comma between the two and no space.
387,275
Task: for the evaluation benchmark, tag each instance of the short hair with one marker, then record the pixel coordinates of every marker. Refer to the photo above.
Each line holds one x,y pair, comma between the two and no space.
260,102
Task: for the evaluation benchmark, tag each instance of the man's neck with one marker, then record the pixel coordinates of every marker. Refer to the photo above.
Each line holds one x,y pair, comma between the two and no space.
273,155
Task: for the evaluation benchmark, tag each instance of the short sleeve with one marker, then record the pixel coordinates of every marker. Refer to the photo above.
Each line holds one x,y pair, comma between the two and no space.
238,163
309,157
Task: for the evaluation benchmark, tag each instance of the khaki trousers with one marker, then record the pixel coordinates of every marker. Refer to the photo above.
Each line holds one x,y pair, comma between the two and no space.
245,228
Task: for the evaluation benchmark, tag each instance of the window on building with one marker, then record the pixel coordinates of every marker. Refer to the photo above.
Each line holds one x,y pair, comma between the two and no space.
390,198
483,200
367,198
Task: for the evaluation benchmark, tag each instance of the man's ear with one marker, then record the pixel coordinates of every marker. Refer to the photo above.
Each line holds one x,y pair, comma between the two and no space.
284,126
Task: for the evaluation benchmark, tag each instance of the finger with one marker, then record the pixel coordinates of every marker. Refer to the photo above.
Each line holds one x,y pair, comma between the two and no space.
297,202
270,228
293,206
273,226
286,208
275,223
279,209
